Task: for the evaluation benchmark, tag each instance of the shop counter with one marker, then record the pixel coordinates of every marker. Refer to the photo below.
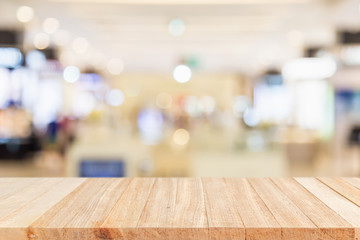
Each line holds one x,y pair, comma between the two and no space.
180,208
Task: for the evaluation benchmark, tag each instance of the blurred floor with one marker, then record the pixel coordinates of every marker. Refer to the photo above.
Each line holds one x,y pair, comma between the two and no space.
27,168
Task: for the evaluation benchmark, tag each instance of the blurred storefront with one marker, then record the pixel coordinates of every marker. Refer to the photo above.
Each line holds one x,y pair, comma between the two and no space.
70,108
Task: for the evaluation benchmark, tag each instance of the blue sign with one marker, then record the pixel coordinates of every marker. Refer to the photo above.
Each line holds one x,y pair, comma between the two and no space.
98,168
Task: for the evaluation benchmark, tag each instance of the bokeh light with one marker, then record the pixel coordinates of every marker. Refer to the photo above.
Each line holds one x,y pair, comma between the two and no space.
71,74
241,103
191,106
24,14
181,137
176,27
115,66
41,41
35,60
10,57
114,97
182,73
50,25
150,123
251,118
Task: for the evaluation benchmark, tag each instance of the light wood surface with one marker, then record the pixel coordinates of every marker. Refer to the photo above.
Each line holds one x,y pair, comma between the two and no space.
180,208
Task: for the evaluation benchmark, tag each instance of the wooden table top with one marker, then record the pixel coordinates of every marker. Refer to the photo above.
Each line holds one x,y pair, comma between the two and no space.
180,208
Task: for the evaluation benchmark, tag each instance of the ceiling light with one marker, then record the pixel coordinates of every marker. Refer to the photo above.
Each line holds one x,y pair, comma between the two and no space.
182,73
24,14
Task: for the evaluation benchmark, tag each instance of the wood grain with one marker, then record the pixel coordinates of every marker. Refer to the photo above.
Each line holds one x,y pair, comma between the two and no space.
343,188
85,208
180,208
256,216
330,224
353,181
27,201
224,221
293,222
342,206
175,204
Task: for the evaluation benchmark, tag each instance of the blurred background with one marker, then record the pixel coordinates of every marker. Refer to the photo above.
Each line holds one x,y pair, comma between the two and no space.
236,88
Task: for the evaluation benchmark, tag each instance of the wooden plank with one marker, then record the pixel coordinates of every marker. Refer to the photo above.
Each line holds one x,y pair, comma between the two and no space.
332,226
175,210
353,181
84,210
6,182
190,205
294,223
12,188
160,205
342,206
258,220
223,219
27,192
18,194
25,206
343,188
179,208
122,221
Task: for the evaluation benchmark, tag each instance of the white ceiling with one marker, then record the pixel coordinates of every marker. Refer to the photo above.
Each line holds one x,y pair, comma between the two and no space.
234,36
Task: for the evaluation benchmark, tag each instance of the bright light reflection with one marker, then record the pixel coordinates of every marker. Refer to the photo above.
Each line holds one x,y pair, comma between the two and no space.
71,74
182,73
